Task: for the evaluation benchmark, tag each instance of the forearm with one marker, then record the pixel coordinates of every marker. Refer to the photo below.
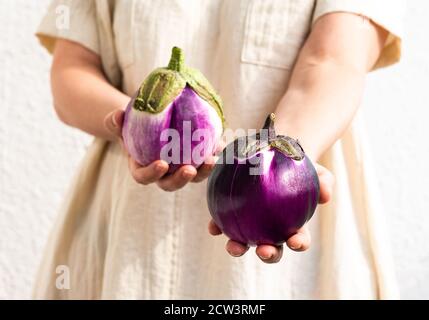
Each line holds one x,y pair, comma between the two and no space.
327,82
82,95
319,104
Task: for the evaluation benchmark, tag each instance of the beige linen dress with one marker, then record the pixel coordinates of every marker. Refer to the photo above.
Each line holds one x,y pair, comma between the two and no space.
120,239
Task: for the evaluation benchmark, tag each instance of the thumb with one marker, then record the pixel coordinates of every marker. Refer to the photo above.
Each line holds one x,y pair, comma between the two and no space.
326,181
113,123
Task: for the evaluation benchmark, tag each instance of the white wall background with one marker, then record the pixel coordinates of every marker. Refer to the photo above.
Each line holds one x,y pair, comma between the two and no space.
38,154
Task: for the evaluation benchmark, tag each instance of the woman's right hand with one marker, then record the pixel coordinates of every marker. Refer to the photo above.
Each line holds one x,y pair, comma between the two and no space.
298,242
155,172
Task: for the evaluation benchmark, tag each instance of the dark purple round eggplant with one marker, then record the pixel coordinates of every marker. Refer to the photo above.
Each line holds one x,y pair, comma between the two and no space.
263,188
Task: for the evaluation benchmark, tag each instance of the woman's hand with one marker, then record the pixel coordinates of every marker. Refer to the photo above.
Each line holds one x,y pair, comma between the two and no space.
298,242
155,172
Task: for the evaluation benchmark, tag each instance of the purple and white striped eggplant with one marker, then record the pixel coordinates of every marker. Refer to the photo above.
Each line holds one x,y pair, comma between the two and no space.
175,116
266,191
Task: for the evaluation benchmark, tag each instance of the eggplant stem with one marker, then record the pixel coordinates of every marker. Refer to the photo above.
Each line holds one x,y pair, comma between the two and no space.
177,60
269,125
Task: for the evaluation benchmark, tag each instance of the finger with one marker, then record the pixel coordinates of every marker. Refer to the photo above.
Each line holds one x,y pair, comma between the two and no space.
300,241
113,122
236,249
214,230
178,179
269,254
204,171
326,181
148,174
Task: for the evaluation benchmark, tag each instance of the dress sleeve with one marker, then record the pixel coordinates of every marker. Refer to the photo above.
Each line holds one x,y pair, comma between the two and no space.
385,13
73,20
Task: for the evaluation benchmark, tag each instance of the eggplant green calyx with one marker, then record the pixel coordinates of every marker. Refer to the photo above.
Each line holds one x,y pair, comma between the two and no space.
267,138
164,85
287,145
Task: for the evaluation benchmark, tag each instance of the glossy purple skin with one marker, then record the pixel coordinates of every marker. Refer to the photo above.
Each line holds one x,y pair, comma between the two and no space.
142,130
266,208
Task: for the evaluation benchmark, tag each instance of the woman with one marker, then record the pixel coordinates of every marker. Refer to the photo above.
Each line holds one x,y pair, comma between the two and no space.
121,235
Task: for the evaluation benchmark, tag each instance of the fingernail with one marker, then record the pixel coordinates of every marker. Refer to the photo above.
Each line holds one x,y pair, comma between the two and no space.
235,255
266,257
295,247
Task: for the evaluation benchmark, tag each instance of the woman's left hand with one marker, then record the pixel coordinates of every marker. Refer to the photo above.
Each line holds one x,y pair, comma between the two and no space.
298,242
155,172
